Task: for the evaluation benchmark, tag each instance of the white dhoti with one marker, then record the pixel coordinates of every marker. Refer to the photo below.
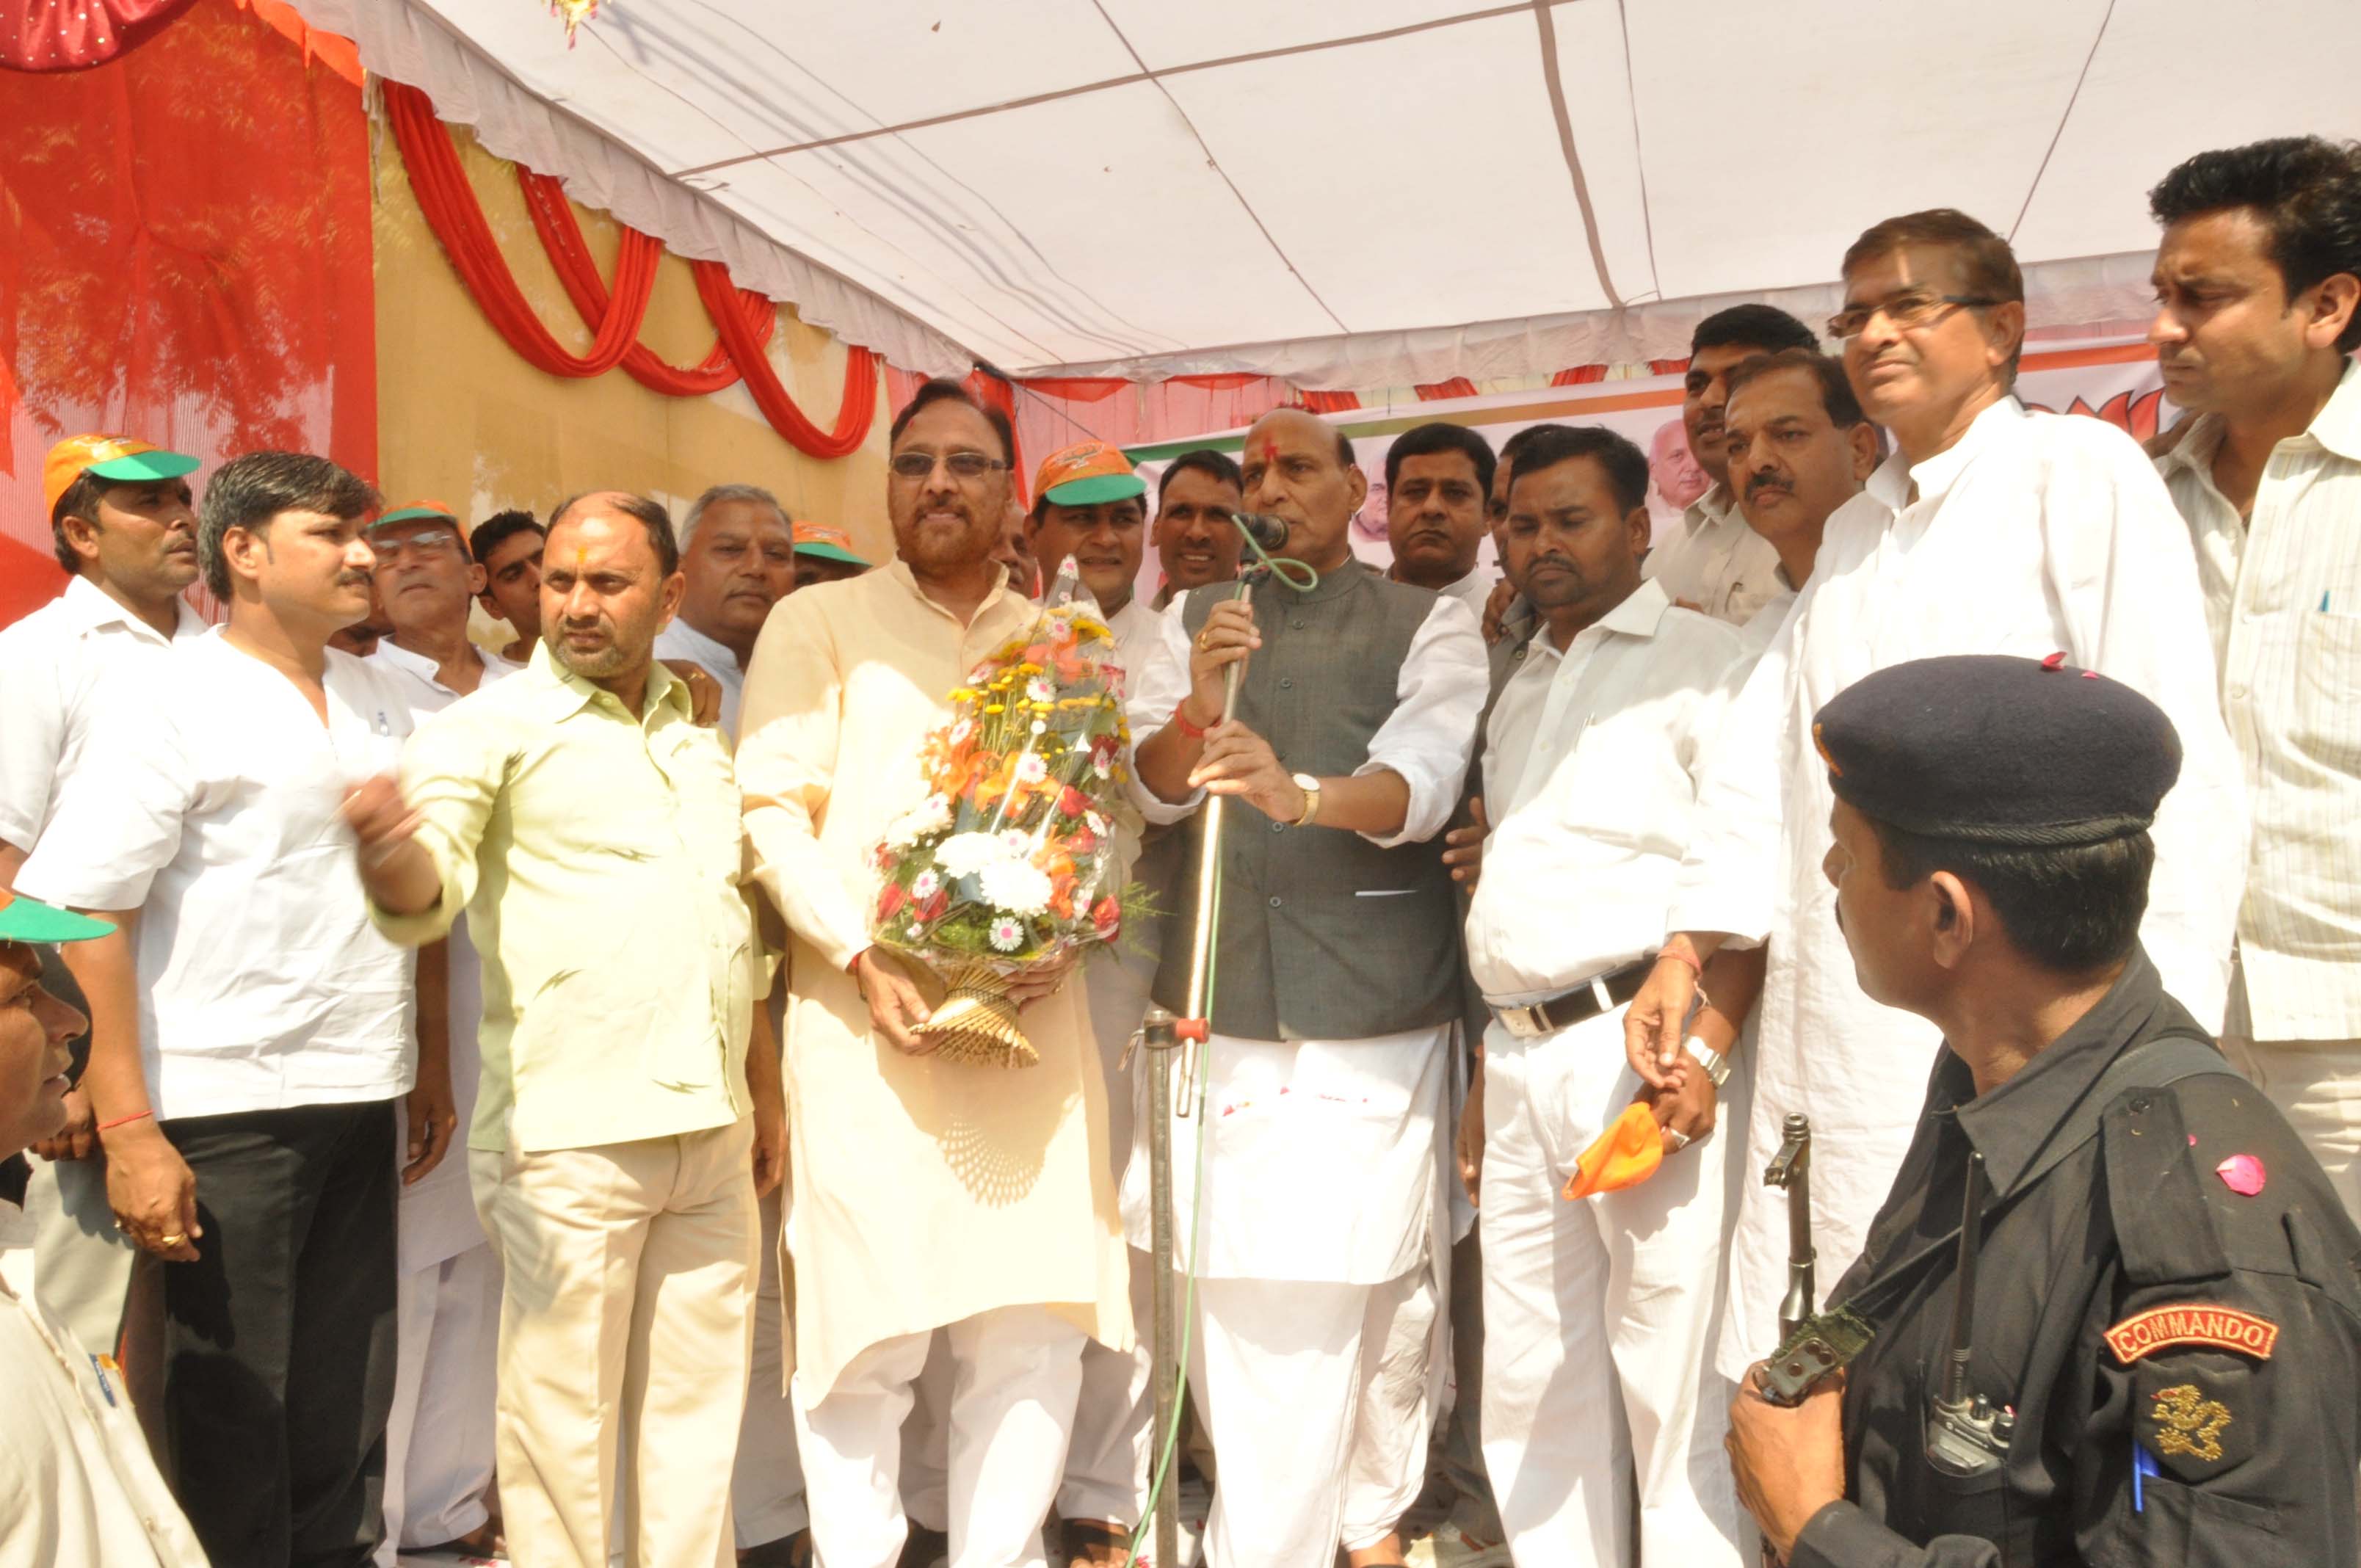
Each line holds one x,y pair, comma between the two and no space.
1321,1240
438,1435
1015,1374
766,1488
1600,1316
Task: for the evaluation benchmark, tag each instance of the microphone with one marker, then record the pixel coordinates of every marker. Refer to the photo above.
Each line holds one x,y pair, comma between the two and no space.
1265,529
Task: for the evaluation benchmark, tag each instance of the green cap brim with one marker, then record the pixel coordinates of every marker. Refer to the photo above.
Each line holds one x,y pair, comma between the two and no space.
831,552
145,468
26,919
411,514
1096,489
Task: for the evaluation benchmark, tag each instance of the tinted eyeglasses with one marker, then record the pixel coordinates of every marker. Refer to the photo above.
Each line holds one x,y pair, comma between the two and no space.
962,465
1914,308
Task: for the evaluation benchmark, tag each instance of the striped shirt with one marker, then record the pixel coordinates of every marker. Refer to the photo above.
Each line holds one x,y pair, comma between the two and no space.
2283,601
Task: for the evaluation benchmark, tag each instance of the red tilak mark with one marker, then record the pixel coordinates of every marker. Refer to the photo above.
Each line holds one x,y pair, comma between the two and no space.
2055,661
1269,450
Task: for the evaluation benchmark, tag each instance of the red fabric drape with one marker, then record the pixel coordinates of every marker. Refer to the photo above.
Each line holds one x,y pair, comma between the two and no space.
74,35
993,393
1580,375
1331,402
730,307
1225,381
1076,389
1667,367
449,203
1435,391
561,236
185,258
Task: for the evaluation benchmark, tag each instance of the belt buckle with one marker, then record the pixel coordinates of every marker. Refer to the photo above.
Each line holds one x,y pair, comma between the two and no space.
1524,1022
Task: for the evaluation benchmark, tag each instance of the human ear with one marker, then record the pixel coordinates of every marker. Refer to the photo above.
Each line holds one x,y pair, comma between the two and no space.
1954,921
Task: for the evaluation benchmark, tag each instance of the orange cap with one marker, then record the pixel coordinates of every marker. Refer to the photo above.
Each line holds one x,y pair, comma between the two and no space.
819,539
1086,473
116,457
1625,1154
410,511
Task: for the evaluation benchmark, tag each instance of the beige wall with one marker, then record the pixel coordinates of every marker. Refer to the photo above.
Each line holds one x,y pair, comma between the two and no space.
462,419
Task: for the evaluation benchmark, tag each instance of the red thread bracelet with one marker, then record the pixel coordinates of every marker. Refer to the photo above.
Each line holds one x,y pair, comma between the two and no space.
123,1121
1677,955
1181,718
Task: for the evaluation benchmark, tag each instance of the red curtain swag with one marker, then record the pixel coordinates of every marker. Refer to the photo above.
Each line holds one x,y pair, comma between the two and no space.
1331,402
73,34
744,321
1435,391
1580,375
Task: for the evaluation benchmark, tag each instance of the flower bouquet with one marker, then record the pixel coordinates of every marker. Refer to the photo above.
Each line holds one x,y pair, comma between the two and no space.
1009,863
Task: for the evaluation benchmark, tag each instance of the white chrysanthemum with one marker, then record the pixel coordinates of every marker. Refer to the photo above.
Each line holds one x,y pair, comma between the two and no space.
1015,886
923,885
1038,690
1008,936
1031,769
961,730
964,854
930,816
1017,843
1096,822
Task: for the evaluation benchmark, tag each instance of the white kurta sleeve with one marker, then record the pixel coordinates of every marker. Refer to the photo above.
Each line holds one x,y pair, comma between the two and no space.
1729,881
119,821
791,724
2126,586
1158,686
32,721
1430,734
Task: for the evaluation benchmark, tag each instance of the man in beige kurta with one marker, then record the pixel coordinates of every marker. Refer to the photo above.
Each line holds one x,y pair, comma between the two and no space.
927,1194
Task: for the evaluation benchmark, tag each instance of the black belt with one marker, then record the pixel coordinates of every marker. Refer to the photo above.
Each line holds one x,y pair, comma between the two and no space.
1604,994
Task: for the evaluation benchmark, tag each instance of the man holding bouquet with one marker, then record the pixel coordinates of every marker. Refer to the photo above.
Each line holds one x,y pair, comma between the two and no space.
928,1193
1330,1059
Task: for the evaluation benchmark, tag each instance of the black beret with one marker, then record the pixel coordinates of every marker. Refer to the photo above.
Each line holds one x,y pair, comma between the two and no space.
1991,749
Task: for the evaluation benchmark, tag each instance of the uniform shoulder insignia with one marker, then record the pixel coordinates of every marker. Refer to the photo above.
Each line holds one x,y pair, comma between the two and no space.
2206,1324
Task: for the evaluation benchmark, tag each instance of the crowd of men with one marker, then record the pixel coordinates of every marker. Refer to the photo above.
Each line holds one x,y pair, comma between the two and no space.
497,1132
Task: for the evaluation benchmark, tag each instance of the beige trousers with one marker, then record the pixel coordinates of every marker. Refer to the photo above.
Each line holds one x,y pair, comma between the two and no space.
625,1334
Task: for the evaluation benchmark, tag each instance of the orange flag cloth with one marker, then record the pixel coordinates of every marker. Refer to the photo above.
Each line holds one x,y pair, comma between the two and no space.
1625,1154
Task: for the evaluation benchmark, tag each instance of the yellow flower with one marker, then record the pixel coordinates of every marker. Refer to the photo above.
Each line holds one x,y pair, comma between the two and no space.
993,708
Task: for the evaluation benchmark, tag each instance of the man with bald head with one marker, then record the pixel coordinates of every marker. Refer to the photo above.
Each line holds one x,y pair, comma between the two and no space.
630,1114
1321,1223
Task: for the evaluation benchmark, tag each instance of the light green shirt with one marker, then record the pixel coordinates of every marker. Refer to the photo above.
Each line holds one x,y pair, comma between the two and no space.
598,857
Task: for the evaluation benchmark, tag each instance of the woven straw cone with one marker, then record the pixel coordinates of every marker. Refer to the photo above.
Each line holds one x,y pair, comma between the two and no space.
977,1022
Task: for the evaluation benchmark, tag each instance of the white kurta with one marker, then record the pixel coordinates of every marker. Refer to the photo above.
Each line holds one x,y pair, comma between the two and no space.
682,641
1713,561
2034,534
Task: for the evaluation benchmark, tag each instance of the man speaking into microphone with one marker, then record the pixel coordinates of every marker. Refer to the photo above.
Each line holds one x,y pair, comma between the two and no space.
1334,1017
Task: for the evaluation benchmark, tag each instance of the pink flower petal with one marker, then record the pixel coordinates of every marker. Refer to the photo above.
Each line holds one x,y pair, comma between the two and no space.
2242,1173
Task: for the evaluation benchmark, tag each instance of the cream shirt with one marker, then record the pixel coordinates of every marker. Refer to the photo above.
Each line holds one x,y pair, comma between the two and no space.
2283,601
2035,533
52,664
77,1486
1714,561
1591,764
213,803
598,857
925,1191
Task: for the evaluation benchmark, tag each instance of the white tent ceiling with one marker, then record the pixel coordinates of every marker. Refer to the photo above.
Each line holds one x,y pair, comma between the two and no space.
1362,193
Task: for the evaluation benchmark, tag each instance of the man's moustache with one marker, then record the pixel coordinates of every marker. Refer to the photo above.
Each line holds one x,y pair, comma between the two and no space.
1759,484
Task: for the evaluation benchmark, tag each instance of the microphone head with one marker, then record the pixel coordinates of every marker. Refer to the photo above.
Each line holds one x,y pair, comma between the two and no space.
1265,529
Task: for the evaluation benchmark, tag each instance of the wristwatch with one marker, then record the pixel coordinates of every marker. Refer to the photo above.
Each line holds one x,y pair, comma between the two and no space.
1715,1065
1311,788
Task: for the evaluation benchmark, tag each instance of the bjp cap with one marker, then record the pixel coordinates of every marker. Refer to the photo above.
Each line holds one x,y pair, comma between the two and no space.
115,457
822,542
1085,474
26,919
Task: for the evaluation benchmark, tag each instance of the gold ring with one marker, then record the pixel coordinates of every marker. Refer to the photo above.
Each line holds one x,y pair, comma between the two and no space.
175,1239
1204,642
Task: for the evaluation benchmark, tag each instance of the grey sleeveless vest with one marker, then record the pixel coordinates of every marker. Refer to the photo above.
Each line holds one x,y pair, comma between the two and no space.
1324,936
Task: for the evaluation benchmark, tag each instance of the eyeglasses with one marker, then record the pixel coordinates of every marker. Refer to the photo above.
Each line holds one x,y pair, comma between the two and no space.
962,465
428,545
1905,311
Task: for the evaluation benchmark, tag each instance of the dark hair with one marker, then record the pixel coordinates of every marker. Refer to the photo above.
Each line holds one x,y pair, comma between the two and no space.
1987,265
1547,445
1837,397
2070,910
1218,466
1433,439
498,529
2306,190
940,390
1766,327
651,514
1510,450
248,492
81,500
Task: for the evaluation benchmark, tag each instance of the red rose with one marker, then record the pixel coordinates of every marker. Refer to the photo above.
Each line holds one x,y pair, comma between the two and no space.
891,899
1073,802
1106,918
933,908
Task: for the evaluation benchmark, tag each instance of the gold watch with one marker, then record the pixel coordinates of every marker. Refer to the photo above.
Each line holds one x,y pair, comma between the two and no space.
1311,788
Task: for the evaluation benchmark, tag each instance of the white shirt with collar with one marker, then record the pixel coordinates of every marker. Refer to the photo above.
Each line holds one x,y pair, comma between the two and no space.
52,664
682,641
420,681
1137,628
2283,602
1591,764
2035,533
1714,561
212,803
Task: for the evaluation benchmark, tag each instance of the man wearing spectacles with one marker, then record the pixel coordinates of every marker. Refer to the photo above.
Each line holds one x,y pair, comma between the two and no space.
1990,530
425,579
1711,561
929,1196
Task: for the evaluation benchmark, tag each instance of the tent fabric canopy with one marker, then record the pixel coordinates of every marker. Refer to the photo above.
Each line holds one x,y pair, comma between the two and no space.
1384,193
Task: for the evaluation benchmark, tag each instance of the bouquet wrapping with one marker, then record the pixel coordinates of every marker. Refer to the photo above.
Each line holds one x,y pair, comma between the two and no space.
1009,863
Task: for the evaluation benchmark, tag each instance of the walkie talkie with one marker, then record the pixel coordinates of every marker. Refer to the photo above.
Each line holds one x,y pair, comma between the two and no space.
1967,1435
